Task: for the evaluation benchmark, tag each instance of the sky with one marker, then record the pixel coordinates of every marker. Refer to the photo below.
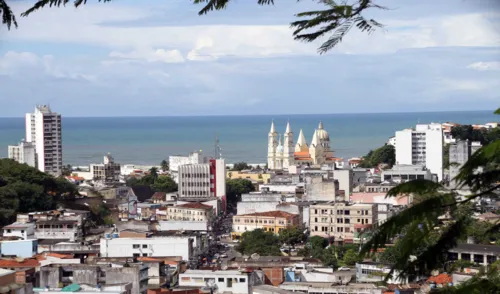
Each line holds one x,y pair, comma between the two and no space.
159,58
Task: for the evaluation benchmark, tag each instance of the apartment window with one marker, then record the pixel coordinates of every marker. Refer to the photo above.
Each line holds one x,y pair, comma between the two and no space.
221,280
136,246
144,246
242,280
22,231
144,254
136,255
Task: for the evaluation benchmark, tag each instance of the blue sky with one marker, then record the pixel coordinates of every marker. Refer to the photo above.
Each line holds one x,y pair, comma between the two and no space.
160,58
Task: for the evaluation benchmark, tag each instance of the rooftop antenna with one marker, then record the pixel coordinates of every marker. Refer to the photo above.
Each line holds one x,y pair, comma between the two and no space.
217,149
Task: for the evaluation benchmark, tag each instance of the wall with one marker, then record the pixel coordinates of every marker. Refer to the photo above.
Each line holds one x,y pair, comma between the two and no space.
345,178
196,278
175,225
248,207
165,246
20,248
273,276
318,189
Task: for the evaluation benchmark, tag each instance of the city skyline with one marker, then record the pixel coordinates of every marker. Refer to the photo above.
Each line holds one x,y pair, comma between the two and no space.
162,59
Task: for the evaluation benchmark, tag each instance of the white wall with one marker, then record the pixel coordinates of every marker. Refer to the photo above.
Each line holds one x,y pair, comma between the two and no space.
175,225
220,174
23,232
256,206
196,278
155,247
403,147
434,150
344,177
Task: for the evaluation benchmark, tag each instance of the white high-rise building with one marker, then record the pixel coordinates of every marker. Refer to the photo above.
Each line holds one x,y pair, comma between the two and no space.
43,129
421,146
23,153
107,172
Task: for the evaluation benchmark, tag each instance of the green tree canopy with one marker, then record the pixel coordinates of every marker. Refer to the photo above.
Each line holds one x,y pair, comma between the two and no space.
25,189
259,241
467,132
385,154
165,165
334,21
421,222
292,235
164,184
234,189
239,166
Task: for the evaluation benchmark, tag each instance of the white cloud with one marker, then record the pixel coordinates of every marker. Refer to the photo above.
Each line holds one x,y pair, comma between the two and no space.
158,55
210,42
488,65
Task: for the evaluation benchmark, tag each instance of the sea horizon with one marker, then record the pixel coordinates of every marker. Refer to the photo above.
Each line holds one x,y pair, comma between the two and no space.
148,140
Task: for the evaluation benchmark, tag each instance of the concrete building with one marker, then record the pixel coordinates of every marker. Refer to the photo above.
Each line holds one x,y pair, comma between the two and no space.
222,281
331,288
271,221
149,247
345,179
476,253
20,248
402,173
107,172
258,202
55,275
318,188
193,211
43,129
69,230
178,160
10,284
341,221
372,272
421,146
203,181
24,152
21,230
459,153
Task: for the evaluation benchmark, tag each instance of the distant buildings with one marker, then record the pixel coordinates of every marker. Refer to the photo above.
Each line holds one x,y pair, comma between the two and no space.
43,129
421,146
176,161
459,153
107,172
270,221
24,152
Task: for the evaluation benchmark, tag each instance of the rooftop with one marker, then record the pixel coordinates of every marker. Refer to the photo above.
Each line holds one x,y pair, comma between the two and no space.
18,262
216,273
195,205
477,248
269,214
18,225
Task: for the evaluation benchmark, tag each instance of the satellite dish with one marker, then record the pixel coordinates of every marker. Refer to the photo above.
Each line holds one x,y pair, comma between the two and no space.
255,256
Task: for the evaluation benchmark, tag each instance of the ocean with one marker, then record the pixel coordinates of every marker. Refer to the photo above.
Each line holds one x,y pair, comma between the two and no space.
149,140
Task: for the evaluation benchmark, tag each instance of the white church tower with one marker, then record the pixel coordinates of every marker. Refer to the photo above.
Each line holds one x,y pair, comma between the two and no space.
301,145
316,149
288,148
272,144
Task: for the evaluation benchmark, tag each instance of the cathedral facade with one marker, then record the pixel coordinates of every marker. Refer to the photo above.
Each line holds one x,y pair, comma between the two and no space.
282,153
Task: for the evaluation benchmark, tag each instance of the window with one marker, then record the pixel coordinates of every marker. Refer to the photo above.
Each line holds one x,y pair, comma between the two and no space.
22,231
136,246
145,254
221,280
144,246
136,255
242,280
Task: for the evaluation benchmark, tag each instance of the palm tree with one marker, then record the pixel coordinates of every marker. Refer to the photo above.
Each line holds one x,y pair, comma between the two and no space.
164,165
154,172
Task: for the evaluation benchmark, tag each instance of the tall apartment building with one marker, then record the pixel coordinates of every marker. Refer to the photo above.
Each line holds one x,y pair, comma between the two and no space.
43,129
177,160
203,181
459,154
24,152
421,146
341,221
107,172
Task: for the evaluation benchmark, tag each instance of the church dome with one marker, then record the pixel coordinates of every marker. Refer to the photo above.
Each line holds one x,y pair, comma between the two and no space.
322,134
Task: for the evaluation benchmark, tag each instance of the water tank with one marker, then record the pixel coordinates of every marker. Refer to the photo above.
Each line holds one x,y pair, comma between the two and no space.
115,235
107,236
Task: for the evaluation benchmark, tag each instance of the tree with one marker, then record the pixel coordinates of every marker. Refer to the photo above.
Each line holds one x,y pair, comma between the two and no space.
25,189
153,172
421,223
385,154
234,189
239,166
67,170
259,241
164,184
351,257
165,165
292,236
334,21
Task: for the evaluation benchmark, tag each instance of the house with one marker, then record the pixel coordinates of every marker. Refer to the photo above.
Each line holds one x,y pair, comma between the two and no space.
221,281
25,248
270,221
18,229
59,229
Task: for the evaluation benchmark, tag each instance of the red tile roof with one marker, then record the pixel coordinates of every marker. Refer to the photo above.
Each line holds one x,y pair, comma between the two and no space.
269,214
440,279
195,205
10,263
159,196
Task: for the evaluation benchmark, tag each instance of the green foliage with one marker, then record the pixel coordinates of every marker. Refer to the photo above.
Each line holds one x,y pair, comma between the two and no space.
446,156
164,184
334,21
259,241
164,165
351,257
66,170
420,223
467,132
234,189
385,154
25,189
292,236
153,172
239,166
100,215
